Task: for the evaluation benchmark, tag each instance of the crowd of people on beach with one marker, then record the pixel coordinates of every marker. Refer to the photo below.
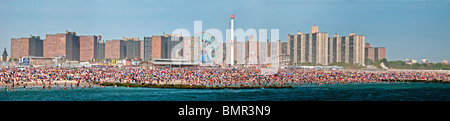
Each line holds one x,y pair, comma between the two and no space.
48,77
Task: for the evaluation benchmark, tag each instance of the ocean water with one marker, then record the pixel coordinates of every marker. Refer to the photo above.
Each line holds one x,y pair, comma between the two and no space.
337,92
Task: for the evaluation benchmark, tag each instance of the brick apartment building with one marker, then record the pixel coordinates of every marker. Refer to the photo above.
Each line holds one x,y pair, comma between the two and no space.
374,53
62,44
27,46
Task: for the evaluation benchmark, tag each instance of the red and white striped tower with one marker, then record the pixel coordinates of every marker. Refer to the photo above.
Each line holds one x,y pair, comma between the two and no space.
232,40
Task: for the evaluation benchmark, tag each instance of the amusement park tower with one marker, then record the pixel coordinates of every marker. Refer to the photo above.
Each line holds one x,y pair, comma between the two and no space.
232,40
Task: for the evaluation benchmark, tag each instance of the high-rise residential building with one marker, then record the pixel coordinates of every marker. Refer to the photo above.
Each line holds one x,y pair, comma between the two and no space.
188,50
283,55
162,46
308,48
263,52
170,41
100,50
270,49
275,54
88,47
225,51
26,46
115,49
132,48
347,49
142,49
374,53
147,48
156,47
228,53
125,48
284,48
294,48
247,59
62,44
67,45
219,53
252,51
239,52
318,45
344,49
318,48
267,51
334,49
356,49
196,48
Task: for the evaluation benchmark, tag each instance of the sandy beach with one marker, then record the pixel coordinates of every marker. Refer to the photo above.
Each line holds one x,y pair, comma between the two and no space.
203,76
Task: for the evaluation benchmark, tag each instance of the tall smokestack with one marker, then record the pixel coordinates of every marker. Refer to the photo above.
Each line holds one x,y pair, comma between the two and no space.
232,40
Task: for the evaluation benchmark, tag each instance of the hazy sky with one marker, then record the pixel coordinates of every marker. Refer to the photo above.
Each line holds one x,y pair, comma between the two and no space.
408,29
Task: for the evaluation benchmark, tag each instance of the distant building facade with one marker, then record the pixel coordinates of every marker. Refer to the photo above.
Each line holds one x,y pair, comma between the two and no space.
263,52
347,49
239,52
220,53
424,61
88,48
142,47
27,46
410,61
100,50
251,51
132,48
147,48
308,48
283,55
62,44
67,45
374,53
162,45
189,48
115,49
317,48
124,48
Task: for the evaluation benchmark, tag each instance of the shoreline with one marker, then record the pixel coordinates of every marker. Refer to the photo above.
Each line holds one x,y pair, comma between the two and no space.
178,86
184,86
421,81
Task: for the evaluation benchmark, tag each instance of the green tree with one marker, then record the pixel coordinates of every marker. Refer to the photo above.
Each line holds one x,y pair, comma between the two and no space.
347,65
369,62
307,64
403,65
